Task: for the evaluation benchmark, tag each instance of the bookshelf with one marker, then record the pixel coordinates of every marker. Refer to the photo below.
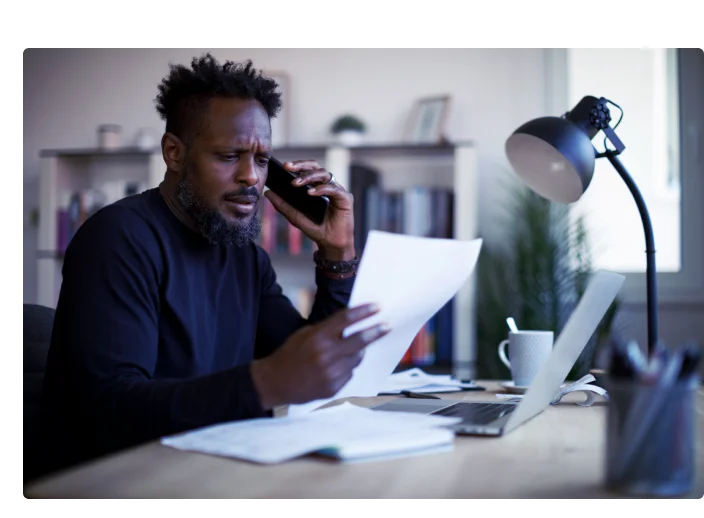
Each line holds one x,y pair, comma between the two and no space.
64,172
401,168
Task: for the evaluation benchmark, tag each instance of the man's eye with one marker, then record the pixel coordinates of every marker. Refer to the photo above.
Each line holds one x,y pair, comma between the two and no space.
263,161
228,158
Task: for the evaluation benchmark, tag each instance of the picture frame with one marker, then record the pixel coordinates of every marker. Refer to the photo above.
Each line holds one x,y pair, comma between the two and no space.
280,124
427,121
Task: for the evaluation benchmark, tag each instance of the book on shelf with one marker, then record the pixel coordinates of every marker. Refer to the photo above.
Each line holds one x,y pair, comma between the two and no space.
432,345
77,208
362,179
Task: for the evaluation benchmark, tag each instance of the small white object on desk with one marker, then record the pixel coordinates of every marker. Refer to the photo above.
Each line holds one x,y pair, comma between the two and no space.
420,382
581,385
346,432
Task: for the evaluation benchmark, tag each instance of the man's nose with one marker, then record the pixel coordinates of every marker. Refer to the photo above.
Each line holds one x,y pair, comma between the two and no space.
247,173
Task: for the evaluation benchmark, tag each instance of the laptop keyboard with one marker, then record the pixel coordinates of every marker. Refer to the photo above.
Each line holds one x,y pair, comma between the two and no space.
477,413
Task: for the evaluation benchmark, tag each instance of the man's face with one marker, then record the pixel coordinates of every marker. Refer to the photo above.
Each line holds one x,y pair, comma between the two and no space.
226,168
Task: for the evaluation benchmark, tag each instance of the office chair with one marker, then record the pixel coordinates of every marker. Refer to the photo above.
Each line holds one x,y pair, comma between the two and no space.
38,322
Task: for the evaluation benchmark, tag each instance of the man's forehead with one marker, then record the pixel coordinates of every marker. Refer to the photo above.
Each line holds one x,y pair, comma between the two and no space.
236,119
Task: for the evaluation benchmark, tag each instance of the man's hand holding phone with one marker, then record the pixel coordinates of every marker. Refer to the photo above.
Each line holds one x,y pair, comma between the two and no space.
335,235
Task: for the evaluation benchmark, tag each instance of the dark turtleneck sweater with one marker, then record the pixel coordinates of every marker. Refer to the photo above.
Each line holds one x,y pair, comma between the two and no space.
156,329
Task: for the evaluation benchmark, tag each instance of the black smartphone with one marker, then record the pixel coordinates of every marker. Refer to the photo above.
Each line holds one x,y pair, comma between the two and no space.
279,181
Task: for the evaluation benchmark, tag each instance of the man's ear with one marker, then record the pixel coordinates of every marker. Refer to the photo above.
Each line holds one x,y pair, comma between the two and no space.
174,152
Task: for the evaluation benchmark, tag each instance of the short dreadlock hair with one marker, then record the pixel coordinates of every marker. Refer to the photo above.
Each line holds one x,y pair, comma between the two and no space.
184,93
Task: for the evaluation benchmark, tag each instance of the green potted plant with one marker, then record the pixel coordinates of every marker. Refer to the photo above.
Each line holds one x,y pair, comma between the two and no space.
536,273
348,130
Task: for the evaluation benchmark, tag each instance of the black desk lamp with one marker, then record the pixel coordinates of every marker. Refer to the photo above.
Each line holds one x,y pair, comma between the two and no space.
555,157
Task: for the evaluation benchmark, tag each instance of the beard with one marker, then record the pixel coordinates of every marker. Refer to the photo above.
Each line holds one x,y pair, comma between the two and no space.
211,223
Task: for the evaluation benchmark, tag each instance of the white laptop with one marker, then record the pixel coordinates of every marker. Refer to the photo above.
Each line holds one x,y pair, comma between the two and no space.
498,418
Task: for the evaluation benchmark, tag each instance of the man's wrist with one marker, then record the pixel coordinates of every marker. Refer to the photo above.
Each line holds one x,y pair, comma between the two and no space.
337,276
336,269
264,384
337,254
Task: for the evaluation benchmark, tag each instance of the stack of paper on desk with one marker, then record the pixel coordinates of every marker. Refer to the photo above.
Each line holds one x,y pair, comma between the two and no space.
420,382
345,431
410,278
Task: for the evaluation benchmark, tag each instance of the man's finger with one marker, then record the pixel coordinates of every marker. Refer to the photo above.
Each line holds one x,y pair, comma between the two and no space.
341,371
353,346
338,197
356,342
301,165
318,176
346,317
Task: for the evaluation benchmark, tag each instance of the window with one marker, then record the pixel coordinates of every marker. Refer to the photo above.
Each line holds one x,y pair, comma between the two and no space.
644,82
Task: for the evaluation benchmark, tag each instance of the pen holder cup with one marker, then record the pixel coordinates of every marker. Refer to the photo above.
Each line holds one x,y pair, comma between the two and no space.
650,438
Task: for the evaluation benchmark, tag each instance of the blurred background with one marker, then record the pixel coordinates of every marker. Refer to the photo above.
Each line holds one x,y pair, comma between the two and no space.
418,136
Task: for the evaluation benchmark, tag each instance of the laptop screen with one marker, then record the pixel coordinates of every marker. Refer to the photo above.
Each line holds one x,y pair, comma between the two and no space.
600,293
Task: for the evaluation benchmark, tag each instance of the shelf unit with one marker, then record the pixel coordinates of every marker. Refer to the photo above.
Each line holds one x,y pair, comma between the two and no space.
453,166
67,170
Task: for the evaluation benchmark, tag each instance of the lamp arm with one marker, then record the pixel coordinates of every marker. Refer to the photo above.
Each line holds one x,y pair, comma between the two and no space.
651,272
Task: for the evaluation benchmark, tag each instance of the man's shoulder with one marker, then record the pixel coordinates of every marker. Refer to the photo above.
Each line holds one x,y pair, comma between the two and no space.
142,205
118,234
125,220
118,215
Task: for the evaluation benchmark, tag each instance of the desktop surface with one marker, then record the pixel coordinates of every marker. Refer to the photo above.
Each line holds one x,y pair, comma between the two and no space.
557,454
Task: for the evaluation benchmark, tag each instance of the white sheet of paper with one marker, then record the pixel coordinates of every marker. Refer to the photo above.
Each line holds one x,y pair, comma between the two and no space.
353,430
410,278
419,381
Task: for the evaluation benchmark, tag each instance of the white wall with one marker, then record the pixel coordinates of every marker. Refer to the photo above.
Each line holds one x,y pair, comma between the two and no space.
68,93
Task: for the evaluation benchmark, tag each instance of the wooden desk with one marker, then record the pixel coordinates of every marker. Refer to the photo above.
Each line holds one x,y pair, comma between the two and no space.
558,454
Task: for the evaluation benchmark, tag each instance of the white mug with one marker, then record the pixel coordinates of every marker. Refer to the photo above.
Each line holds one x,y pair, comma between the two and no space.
528,351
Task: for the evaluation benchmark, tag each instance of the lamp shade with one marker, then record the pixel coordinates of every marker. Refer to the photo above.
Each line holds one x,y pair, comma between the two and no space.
554,156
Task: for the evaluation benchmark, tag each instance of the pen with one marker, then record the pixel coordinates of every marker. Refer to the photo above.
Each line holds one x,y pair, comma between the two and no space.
656,364
635,358
416,395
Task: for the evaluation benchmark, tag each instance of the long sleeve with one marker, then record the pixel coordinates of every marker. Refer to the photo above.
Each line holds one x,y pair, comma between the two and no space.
278,318
100,372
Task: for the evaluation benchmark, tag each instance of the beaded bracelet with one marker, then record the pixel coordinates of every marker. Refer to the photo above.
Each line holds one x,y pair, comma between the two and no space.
335,267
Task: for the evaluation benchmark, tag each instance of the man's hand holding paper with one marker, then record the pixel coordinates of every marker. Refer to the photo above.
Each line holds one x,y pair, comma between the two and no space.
410,279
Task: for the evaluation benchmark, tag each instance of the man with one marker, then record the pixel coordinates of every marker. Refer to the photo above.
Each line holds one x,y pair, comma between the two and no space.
170,317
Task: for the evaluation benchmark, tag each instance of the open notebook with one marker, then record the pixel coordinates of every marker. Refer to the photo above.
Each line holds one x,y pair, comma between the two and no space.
346,432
